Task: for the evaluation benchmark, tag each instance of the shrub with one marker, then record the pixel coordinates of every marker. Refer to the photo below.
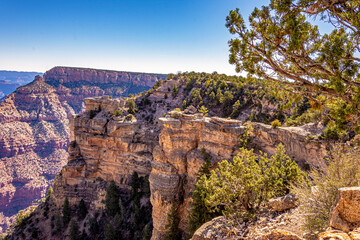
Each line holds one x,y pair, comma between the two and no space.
131,105
174,90
238,188
117,113
318,197
203,110
276,123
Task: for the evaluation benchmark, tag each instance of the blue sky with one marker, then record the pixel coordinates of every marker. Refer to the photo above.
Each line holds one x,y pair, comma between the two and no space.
160,36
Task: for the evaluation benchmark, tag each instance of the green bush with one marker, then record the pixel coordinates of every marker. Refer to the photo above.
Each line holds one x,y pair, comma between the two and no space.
239,187
117,113
203,110
174,90
276,123
318,197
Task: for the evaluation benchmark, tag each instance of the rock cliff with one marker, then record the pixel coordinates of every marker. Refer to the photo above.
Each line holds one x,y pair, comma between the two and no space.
177,160
34,128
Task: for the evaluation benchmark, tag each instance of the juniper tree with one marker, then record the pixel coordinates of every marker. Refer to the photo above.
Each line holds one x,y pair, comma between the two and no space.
282,45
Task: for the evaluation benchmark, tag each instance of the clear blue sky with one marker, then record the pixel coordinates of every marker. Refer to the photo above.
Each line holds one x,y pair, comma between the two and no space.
131,35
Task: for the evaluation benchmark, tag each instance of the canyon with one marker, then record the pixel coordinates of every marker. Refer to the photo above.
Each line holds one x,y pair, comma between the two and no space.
160,143
34,128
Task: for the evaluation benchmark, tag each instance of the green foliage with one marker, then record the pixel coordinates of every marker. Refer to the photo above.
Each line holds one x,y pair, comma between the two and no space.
58,223
82,209
49,193
282,45
131,107
74,231
172,227
245,139
236,108
112,199
174,90
238,188
276,123
117,113
203,110
199,213
319,197
66,211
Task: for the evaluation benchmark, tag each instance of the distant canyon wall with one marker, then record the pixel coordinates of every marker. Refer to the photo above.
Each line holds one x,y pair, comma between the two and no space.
34,128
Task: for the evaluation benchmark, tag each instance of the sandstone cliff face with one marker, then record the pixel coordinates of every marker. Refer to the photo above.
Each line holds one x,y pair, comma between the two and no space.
34,128
103,149
177,159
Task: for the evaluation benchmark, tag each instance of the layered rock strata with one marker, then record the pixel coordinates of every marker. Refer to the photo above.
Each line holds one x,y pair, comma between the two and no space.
177,160
34,128
103,148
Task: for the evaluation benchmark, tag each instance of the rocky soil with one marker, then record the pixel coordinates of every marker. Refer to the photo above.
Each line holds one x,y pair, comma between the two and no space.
34,128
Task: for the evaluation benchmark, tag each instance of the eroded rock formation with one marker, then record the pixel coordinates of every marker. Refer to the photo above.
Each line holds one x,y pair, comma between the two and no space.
177,160
34,128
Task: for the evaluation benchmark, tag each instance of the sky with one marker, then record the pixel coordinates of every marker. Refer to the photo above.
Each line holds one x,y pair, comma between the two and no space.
158,36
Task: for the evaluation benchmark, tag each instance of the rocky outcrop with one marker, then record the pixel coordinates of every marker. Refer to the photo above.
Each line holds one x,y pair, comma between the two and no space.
103,149
34,127
178,158
345,218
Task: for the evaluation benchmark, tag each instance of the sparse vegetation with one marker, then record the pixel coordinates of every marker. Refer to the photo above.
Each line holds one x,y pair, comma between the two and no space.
117,113
318,197
276,123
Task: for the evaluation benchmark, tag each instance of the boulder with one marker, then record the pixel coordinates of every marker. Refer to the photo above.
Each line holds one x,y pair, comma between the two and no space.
346,214
283,203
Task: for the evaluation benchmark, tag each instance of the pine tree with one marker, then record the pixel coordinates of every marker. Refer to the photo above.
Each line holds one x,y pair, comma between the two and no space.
66,211
174,90
172,228
82,209
112,199
74,231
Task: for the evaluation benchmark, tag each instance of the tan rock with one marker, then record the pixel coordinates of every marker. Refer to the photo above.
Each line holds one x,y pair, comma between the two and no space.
333,235
346,214
283,203
279,234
